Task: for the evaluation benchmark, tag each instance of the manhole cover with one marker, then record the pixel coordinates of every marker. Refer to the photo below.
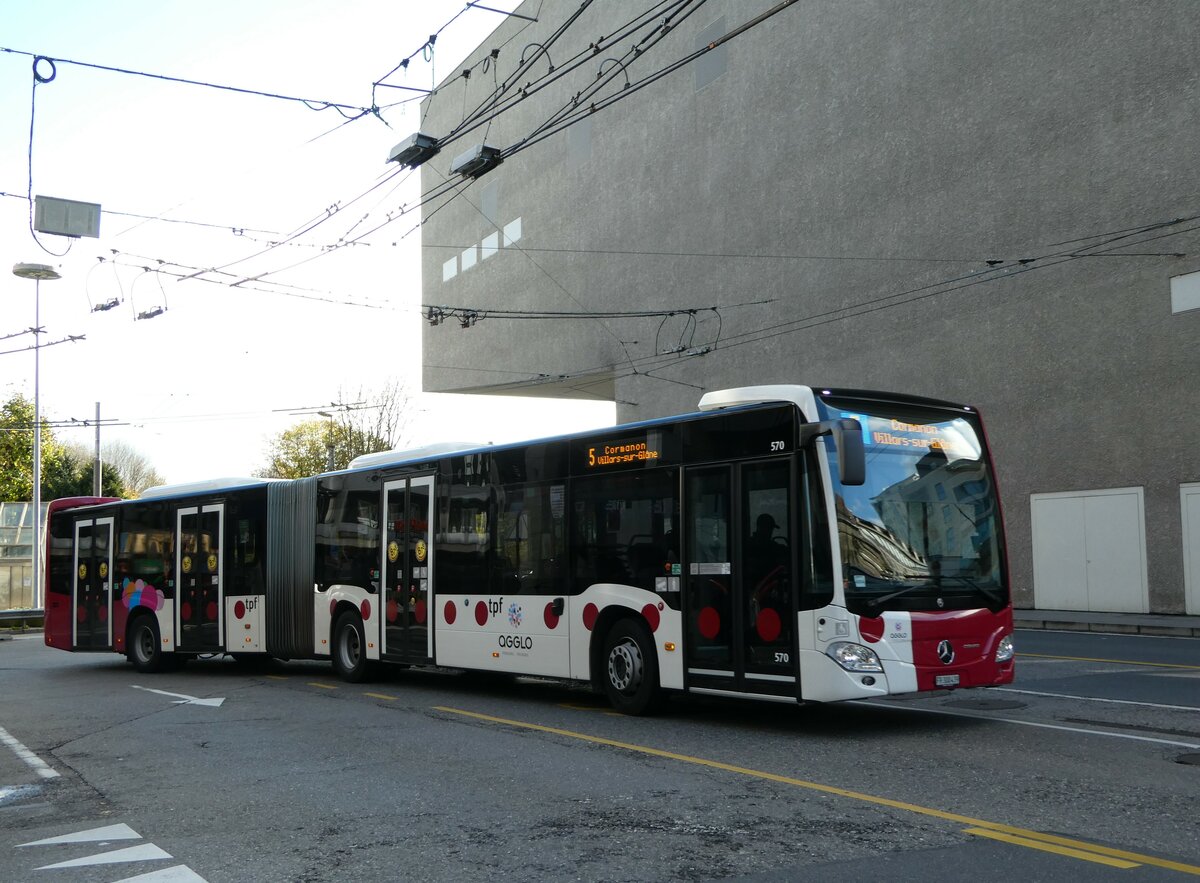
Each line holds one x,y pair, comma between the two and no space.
1192,759
985,704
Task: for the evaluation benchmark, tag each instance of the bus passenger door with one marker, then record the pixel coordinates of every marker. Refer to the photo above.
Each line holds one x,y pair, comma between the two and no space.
740,597
200,596
92,585
407,569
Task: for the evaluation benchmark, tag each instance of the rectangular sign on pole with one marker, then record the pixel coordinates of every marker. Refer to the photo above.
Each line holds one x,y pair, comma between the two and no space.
65,217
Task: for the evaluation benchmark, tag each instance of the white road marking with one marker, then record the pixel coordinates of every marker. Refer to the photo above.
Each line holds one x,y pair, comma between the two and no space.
182,699
93,835
146,853
1098,699
1008,720
39,766
13,793
177,874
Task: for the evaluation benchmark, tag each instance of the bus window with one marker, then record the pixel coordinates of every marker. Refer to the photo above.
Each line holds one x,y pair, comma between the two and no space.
624,530
531,530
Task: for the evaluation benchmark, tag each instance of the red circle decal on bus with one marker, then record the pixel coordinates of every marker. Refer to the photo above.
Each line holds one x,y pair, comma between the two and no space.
651,614
768,625
81,614
365,609
393,610
419,612
210,611
709,622
590,612
185,611
103,614
239,609
481,613
451,613
550,617
871,628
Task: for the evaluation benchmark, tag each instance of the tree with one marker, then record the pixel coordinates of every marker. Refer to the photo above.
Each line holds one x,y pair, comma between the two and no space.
370,423
75,478
16,452
303,450
71,475
135,469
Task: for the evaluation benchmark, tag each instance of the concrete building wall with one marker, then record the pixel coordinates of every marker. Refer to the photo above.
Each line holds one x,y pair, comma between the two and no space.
835,181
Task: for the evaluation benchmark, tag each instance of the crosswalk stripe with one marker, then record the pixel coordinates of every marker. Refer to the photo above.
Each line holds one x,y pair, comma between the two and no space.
146,853
93,835
177,874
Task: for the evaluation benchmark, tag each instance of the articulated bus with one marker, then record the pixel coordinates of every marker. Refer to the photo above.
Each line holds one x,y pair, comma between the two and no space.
783,543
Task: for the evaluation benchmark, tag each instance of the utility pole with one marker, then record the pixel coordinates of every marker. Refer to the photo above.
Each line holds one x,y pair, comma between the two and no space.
96,464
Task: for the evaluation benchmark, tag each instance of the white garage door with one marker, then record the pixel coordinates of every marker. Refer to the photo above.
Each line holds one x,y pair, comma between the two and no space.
1189,498
1089,551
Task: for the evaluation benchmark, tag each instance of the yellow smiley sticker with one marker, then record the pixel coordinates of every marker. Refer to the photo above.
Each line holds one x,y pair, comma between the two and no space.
83,571
187,563
212,563
393,551
103,569
421,550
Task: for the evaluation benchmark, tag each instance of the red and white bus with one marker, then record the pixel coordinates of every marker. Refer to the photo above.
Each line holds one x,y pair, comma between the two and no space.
783,543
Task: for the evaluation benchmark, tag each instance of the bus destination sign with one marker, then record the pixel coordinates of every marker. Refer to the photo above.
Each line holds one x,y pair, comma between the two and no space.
954,438
622,453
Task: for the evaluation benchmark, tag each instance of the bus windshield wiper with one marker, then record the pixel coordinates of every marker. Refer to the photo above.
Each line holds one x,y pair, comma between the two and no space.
991,592
903,590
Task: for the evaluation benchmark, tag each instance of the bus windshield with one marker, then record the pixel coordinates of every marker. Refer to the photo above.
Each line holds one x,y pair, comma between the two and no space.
923,531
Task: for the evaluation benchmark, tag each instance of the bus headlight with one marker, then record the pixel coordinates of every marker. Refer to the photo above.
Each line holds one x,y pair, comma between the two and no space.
1004,650
854,657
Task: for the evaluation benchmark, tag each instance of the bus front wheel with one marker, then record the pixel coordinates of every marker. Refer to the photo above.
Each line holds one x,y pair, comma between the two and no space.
630,673
145,648
350,648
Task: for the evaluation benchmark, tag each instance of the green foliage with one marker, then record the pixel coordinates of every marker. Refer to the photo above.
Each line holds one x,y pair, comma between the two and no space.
303,450
65,473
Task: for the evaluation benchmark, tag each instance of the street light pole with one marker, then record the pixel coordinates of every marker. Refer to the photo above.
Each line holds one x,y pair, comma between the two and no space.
37,272
329,462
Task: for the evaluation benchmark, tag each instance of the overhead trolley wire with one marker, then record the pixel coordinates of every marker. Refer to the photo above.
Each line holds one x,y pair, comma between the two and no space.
310,103
653,362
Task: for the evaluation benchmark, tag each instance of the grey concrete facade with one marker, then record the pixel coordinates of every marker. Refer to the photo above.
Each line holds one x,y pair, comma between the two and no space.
836,180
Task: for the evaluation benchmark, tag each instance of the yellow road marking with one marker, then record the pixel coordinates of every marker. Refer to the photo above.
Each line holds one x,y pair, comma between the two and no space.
970,822
381,696
1050,847
322,686
1113,661
276,677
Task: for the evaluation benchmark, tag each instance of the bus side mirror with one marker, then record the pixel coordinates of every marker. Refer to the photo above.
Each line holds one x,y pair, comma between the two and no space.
847,438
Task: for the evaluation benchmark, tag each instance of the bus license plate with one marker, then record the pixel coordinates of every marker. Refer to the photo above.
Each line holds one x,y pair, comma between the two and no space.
946,680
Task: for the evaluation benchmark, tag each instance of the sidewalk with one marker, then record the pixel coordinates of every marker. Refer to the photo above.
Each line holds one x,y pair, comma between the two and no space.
1113,623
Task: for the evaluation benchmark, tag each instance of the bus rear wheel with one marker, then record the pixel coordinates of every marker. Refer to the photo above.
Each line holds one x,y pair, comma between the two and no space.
630,673
145,648
350,648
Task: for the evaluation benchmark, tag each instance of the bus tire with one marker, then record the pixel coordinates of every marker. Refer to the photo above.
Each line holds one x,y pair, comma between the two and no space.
350,648
630,668
145,646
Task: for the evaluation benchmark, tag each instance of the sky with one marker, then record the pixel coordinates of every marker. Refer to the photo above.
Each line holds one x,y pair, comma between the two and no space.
191,178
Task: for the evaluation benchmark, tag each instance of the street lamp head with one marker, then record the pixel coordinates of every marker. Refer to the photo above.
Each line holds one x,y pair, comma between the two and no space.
36,271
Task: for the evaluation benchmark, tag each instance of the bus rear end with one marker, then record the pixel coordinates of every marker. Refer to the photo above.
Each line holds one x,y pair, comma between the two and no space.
920,544
69,583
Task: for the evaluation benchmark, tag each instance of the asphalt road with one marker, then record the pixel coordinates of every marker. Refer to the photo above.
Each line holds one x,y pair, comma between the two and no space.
1088,768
